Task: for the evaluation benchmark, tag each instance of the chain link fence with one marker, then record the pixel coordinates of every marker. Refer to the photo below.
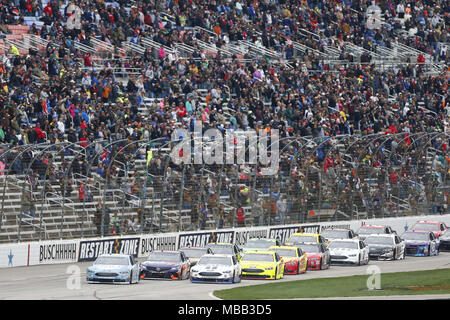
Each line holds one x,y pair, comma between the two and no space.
69,190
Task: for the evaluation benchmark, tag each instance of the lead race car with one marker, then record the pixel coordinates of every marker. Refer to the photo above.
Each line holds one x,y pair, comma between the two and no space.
217,268
421,243
113,268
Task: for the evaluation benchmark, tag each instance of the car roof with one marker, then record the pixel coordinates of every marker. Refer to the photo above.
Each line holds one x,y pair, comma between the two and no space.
165,251
114,255
340,229
261,239
428,222
417,231
382,235
217,255
283,247
373,226
199,248
345,240
221,244
305,234
261,252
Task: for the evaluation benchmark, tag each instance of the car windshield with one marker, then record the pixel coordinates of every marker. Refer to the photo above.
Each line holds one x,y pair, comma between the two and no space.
285,252
300,239
258,257
194,252
337,234
379,240
117,261
164,257
371,231
259,243
415,236
343,245
309,248
426,226
221,249
225,261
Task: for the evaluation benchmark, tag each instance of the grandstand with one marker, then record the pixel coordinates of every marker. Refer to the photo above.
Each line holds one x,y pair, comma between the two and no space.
362,108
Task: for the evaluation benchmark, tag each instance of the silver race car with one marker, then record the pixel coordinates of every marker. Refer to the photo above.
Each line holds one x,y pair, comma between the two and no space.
113,268
217,268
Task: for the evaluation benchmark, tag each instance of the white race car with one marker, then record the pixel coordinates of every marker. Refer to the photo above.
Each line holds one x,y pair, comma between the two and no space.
217,268
352,251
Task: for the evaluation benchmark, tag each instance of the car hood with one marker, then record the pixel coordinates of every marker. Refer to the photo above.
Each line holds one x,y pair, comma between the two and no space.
109,268
338,251
374,247
416,242
256,264
213,267
160,264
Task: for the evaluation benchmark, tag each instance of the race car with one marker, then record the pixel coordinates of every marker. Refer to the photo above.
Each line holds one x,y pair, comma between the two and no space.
225,248
444,241
217,268
352,251
195,253
318,255
332,234
421,243
165,265
438,228
260,244
366,230
296,238
113,268
295,260
262,265
385,247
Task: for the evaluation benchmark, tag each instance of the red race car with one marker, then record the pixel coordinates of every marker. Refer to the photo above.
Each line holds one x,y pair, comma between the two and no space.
318,255
438,228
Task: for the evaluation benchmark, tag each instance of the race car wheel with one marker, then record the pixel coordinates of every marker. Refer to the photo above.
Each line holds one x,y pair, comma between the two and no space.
276,272
131,277
359,260
320,264
395,255
429,250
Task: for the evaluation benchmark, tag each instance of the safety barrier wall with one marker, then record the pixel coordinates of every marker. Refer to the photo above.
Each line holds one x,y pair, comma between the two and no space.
83,250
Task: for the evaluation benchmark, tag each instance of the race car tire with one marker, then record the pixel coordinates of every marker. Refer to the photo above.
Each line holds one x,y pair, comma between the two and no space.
395,255
320,264
276,272
131,277
298,268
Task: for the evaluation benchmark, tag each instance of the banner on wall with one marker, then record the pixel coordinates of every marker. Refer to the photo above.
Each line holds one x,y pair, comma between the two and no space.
283,233
14,255
54,252
203,238
242,236
90,250
335,226
160,242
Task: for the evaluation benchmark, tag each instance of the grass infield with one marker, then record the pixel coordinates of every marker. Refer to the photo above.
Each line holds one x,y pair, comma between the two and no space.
399,283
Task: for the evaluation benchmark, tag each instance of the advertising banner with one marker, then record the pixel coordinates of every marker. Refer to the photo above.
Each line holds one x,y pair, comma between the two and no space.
203,238
157,242
90,250
283,233
241,236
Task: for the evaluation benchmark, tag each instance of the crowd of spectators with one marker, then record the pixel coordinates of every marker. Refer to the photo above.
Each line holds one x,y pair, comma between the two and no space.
63,94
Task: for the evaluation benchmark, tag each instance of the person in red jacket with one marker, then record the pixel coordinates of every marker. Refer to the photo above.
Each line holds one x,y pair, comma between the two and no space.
39,134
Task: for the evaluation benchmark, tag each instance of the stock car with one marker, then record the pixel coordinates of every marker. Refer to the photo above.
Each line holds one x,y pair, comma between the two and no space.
296,238
295,260
225,248
444,241
438,228
366,230
332,234
217,268
318,255
385,247
352,251
195,253
260,244
113,268
421,243
262,265
165,265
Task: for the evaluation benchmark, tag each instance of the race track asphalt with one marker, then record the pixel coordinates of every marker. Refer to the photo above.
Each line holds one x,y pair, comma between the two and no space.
56,281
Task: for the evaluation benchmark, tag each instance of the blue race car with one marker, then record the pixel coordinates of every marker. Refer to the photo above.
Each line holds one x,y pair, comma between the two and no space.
113,268
166,265
421,243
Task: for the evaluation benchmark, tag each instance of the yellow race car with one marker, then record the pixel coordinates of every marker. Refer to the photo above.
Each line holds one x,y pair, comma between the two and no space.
295,260
306,238
262,265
